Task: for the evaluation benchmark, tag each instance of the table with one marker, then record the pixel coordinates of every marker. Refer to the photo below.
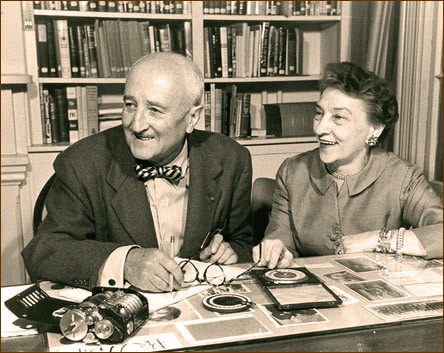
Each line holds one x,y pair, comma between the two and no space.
363,323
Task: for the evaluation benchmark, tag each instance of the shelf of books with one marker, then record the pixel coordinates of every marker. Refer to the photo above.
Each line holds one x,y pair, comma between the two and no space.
262,53
254,55
84,50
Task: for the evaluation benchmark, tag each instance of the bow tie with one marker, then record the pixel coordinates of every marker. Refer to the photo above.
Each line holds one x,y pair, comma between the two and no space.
145,172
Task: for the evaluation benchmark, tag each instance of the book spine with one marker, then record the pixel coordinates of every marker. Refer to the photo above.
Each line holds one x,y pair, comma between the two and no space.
73,5
290,67
73,119
230,50
62,113
74,50
178,40
48,124
81,39
245,121
55,134
207,110
217,52
92,49
92,111
223,33
188,40
62,38
80,117
52,51
104,55
218,110
165,38
42,48
281,52
144,37
265,34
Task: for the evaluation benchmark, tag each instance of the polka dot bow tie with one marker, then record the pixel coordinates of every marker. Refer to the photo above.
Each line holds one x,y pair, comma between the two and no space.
145,172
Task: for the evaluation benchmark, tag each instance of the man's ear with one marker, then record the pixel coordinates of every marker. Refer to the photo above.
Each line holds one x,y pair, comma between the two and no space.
193,118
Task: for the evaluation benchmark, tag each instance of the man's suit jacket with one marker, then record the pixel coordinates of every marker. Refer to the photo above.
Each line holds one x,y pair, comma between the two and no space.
97,204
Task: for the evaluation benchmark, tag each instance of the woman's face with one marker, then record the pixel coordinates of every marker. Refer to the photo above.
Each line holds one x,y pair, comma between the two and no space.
342,127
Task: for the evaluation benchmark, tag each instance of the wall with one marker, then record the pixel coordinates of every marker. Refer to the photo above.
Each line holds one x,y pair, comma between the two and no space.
15,201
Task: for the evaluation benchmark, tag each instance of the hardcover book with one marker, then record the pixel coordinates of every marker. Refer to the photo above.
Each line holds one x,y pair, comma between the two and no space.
62,45
73,119
62,113
290,119
42,47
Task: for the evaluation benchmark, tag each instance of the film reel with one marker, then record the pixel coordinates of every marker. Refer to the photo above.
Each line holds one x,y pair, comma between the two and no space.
227,302
285,276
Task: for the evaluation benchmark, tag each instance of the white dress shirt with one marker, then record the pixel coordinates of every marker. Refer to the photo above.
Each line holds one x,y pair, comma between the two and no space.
168,203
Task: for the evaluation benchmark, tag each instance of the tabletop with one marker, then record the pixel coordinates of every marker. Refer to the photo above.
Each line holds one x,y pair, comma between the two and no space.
389,304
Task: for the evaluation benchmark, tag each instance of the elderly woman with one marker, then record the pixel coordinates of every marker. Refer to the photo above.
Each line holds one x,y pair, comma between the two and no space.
349,195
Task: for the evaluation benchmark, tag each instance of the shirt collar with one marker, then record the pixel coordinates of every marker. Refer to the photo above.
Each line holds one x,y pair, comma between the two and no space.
355,183
182,161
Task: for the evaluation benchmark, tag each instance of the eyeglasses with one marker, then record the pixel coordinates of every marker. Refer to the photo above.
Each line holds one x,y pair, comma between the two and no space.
212,274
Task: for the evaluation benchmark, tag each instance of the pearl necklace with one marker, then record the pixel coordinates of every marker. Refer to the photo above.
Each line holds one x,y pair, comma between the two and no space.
335,174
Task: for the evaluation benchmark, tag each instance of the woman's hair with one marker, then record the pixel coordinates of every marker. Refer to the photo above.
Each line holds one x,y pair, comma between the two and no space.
376,93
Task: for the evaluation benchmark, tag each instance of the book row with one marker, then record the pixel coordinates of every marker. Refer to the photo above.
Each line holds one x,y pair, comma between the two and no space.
227,111
231,112
270,8
104,48
68,113
74,112
243,50
161,7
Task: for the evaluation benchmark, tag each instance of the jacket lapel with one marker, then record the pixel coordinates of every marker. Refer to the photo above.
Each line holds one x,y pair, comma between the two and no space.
130,202
203,195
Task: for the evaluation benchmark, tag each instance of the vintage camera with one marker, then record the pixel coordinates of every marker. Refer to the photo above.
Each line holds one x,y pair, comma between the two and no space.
108,315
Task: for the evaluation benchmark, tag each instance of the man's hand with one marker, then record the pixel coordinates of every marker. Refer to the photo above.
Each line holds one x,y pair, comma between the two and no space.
274,254
150,269
219,251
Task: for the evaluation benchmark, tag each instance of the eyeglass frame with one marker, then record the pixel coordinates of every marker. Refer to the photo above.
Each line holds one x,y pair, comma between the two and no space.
183,263
204,244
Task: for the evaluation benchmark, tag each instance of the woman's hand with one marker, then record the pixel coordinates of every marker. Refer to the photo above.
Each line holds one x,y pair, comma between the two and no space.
368,241
273,254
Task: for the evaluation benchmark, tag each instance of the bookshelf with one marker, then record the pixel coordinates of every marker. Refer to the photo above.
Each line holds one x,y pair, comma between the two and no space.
325,38
27,161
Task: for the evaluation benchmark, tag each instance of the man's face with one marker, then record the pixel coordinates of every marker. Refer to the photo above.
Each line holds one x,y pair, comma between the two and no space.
157,114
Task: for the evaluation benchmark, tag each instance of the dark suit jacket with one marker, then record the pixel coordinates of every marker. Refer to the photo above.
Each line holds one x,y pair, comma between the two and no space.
97,204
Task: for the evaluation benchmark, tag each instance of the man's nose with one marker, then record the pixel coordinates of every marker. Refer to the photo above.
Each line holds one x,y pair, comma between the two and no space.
140,120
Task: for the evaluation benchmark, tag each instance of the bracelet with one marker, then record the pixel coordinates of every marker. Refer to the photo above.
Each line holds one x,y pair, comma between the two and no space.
400,240
385,237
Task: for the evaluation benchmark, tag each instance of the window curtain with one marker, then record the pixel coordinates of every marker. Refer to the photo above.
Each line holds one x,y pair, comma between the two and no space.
418,135
382,39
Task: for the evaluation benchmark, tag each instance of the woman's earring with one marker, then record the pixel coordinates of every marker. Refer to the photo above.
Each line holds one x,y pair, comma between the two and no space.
371,140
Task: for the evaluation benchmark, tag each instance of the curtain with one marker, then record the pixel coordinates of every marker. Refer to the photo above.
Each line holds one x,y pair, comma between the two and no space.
418,133
382,39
